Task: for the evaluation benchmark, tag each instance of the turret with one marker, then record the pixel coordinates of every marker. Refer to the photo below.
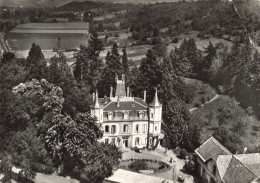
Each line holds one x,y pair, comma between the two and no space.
155,113
96,109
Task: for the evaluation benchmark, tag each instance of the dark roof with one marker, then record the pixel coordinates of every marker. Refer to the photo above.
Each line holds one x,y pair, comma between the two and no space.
238,173
211,149
124,105
101,102
140,101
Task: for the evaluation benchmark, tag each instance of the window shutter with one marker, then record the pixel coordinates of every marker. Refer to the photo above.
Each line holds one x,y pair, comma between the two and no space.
122,128
129,128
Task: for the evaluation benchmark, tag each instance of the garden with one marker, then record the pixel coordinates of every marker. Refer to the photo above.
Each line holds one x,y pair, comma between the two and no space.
139,165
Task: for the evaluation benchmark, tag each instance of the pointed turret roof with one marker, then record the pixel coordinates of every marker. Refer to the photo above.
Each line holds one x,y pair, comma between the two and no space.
96,102
155,101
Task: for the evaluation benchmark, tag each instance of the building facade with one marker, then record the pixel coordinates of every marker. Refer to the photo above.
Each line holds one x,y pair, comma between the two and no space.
218,165
128,121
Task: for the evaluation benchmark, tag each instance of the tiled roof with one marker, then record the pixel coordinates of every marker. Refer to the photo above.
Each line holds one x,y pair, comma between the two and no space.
211,149
124,105
222,164
238,173
251,162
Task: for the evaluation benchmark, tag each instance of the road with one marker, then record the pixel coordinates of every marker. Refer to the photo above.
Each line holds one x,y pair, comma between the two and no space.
3,45
211,100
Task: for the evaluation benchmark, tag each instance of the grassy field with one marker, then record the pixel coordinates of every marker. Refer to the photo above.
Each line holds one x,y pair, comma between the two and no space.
251,125
200,43
204,92
133,53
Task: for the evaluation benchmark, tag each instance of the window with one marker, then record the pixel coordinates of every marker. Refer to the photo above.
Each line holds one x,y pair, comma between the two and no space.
110,116
144,128
151,115
113,141
113,129
106,141
101,116
125,128
155,128
107,129
124,115
137,141
214,169
141,115
137,128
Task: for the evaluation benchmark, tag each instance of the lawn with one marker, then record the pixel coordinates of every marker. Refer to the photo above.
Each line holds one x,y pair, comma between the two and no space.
200,43
204,92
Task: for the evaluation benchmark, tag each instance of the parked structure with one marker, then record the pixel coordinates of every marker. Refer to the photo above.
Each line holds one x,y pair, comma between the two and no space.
218,165
124,118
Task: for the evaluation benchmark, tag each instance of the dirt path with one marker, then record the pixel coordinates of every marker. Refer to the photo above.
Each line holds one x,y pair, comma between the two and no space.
211,100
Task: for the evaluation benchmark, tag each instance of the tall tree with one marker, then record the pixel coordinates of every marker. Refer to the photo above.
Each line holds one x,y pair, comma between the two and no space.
88,64
125,63
180,132
150,75
205,68
112,68
186,59
81,147
36,63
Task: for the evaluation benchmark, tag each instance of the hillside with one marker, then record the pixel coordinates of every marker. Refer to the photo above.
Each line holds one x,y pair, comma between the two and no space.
79,6
33,3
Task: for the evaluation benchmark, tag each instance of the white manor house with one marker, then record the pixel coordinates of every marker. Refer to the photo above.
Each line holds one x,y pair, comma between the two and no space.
124,119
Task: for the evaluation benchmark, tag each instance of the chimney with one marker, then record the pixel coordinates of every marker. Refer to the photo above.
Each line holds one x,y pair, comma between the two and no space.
118,105
105,99
127,92
116,77
93,96
111,92
145,95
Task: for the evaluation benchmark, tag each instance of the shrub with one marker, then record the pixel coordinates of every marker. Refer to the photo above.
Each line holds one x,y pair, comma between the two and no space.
138,165
183,154
197,105
254,133
175,40
255,128
249,110
189,166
